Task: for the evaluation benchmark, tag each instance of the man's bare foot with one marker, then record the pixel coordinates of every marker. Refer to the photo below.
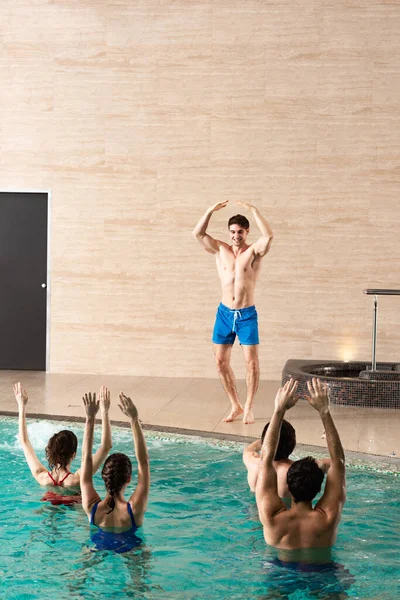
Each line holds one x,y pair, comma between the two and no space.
248,417
323,436
235,412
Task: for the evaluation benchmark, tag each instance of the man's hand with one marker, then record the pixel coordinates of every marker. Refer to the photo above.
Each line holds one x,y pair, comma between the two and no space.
246,205
285,397
91,405
104,396
319,395
21,395
218,206
128,408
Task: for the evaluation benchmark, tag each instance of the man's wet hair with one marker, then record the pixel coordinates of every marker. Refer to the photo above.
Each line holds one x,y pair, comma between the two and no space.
304,479
239,220
287,440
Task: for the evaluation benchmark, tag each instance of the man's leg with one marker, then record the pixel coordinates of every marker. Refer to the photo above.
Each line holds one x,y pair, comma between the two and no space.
222,353
252,378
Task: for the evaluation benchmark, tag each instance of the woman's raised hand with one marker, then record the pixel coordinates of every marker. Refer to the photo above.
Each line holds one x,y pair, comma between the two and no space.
128,408
90,404
21,395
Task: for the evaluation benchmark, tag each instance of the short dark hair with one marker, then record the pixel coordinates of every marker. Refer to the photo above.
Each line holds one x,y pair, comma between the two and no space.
304,479
287,440
239,220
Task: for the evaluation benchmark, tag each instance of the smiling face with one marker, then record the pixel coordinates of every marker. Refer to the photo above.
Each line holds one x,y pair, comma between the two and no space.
238,235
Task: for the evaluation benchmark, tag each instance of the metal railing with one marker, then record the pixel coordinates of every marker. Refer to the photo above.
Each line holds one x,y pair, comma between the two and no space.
377,292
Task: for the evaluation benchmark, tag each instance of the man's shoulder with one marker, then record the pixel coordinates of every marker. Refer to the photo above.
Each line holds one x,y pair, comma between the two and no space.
223,246
251,458
255,251
329,514
282,465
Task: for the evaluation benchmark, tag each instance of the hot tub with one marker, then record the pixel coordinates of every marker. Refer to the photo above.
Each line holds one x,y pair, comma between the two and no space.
350,383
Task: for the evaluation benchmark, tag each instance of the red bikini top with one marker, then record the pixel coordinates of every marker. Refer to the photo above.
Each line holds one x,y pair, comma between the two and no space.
55,483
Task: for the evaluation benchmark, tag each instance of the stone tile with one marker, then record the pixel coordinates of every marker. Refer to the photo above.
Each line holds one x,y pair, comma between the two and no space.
200,405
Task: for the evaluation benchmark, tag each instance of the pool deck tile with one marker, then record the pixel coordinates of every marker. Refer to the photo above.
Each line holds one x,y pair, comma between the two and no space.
201,405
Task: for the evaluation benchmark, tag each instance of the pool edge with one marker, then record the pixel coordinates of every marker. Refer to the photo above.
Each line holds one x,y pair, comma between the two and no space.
354,458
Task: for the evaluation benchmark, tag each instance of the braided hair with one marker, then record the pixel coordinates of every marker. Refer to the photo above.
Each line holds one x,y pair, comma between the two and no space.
60,449
116,472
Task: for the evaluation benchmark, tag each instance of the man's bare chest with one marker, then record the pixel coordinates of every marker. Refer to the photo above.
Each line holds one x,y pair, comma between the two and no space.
239,265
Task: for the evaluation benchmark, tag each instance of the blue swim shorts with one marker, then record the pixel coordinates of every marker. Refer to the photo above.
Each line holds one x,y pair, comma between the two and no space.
328,580
242,322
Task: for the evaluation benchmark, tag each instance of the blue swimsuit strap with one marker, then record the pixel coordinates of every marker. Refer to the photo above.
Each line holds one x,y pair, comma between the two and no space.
95,505
131,515
92,514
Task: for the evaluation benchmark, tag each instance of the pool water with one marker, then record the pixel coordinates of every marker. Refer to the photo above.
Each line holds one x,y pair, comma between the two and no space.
201,536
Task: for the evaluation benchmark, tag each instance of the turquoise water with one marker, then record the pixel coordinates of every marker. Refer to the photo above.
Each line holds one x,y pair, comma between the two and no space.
201,537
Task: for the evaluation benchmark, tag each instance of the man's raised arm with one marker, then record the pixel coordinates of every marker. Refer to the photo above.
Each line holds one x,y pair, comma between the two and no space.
263,244
334,495
268,500
200,231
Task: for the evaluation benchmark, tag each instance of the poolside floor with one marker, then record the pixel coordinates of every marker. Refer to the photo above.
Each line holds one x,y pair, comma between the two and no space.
200,405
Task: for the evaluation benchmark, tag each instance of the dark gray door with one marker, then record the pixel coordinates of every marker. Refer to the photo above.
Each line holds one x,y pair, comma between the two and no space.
23,269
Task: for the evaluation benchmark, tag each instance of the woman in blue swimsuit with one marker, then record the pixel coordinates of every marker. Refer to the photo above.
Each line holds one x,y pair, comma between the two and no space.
116,519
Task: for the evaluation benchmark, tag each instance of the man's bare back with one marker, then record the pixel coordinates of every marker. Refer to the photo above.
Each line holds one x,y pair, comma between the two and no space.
238,267
251,458
282,462
281,468
302,529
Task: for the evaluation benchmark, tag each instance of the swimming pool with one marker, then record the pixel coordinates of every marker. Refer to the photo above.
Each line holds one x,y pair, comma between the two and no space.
201,537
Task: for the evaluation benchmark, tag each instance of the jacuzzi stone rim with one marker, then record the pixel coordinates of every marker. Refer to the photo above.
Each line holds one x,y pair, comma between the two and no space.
346,391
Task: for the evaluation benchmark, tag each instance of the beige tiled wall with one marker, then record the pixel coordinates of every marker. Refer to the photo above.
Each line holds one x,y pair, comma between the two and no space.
139,114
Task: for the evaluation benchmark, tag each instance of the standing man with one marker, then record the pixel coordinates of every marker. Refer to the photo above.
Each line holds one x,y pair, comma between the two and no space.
303,533
238,267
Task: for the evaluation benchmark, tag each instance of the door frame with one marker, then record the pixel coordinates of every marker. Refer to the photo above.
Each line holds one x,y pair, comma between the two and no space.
14,190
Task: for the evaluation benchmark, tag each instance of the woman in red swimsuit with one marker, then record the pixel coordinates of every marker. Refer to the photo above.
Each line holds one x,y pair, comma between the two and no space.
61,450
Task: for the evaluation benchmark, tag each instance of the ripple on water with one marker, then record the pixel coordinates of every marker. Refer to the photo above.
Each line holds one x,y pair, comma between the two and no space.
202,536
